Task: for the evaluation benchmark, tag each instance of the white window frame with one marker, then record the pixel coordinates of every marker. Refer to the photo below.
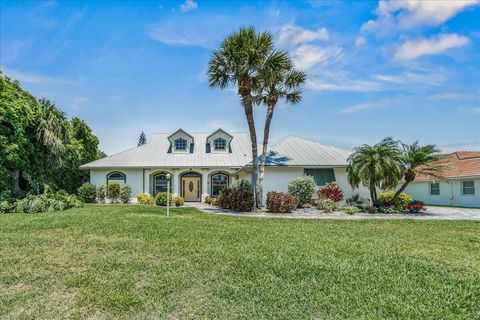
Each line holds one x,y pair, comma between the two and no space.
180,140
224,144
439,191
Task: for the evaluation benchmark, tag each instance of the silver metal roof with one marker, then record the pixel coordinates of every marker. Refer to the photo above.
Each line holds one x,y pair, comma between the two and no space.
155,154
291,151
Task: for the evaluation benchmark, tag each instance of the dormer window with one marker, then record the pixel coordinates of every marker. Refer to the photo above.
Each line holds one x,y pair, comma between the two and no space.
180,144
219,144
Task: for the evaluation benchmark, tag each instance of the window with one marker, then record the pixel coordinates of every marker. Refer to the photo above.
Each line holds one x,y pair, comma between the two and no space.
219,182
435,189
160,183
321,176
468,187
220,144
116,176
180,144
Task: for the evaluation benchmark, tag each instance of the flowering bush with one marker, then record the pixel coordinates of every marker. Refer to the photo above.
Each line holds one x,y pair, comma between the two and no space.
280,202
331,191
235,199
113,192
416,206
302,188
402,201
145,198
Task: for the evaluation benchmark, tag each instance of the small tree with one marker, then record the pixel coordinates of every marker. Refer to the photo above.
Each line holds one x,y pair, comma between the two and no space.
302,188
142,139
113,192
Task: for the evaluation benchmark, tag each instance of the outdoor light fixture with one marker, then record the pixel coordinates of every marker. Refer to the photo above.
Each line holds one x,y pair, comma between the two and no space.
168,194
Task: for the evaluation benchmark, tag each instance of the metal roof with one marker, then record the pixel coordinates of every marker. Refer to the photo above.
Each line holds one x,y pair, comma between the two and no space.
291,151
155,154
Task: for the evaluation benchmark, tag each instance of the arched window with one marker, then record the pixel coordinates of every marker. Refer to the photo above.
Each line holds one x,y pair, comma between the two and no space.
160,183
220,144
219,182
180,144
116,176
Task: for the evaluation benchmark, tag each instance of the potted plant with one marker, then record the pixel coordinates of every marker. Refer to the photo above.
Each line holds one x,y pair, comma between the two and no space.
416,206
307,207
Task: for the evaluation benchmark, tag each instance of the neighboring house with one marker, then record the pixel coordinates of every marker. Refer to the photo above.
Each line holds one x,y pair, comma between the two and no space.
460,185
202,164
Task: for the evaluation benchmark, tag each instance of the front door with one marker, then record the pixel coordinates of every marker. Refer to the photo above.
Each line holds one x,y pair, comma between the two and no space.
191,188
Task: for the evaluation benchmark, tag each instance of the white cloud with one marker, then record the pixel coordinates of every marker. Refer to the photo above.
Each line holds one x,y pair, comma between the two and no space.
357,108
360,41
453,96
346,85
413,49
33,78
409,78
307,57
292,35
189,5
415,13
172,36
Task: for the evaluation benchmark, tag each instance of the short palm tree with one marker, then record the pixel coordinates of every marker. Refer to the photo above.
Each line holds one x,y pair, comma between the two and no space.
278,80
418,160
375,166
237,63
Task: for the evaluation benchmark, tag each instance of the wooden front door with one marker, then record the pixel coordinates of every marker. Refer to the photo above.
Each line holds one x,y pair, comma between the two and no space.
191,188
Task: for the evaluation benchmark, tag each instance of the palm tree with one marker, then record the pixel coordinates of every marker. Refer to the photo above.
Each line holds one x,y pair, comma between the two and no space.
375,166
278,80
237,63
418,160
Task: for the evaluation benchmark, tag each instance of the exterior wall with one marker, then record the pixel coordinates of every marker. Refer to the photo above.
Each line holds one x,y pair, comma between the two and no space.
450,193
277,178
133,177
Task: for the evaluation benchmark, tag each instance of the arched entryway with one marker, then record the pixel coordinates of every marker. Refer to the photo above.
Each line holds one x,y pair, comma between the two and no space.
191,186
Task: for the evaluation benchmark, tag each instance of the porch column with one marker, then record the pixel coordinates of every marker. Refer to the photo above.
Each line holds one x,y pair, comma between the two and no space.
176,182
205,184
146,181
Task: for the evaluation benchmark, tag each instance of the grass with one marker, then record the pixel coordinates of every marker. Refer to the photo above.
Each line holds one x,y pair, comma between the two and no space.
131,262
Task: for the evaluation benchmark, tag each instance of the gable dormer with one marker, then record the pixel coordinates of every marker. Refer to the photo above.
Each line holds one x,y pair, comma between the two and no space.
219,142
181,142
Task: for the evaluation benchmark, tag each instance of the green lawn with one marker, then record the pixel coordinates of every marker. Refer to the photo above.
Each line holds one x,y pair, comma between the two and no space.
130,261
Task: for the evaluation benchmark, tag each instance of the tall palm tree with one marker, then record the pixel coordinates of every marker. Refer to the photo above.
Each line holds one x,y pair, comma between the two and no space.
237,63
375,166
278,80
418,160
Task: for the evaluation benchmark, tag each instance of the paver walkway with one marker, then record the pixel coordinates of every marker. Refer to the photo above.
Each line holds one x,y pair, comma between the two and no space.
432,213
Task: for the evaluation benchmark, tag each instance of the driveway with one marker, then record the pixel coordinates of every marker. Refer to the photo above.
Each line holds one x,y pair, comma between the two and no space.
432,213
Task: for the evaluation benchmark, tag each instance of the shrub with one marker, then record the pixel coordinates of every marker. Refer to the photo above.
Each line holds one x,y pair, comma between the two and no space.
88,192
388,210
280,202
145,198
235,199
101,193
178,201
402,201
161,199
416,206
331,191
242,184
125,193
114,192
208,200
302,189
54,201
326,205
6,206
350,210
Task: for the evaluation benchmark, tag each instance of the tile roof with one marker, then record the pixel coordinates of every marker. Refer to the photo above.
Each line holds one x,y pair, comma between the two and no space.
458,164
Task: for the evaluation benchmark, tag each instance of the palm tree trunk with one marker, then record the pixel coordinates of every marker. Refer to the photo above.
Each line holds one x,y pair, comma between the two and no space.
266,134
397,194
248,108
373,193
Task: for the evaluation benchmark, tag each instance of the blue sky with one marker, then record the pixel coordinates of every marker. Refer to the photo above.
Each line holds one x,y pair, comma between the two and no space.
406,69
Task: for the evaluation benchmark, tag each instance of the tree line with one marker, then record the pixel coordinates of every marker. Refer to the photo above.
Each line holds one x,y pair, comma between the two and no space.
39,145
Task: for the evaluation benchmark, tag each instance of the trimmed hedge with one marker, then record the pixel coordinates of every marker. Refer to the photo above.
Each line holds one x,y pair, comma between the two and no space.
145,198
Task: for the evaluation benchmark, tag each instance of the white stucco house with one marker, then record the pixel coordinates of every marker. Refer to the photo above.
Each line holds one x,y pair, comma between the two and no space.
459,186
201,164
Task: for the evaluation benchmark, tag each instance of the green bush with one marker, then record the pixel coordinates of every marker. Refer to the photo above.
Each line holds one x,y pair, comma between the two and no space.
145,198
350,210
114,192
402,201
242,184
125,193
101,193
88,192
302,188
54,201
162,198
